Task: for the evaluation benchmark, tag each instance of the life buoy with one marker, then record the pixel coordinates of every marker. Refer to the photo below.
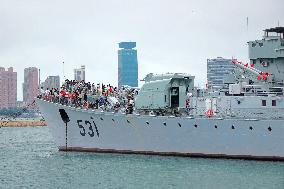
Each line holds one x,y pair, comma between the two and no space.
209,113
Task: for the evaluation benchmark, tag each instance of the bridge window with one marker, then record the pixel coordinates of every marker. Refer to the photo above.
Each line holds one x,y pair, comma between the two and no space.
263,102
273,102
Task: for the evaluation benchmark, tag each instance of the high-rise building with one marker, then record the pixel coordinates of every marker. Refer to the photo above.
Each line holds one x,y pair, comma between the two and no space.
30,85
217,69
51,82
127,64
79,74
8,88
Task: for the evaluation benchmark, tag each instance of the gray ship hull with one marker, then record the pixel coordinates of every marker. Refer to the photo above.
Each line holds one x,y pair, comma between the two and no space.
89,130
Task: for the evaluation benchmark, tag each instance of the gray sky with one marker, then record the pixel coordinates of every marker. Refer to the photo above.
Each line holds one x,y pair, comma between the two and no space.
171,36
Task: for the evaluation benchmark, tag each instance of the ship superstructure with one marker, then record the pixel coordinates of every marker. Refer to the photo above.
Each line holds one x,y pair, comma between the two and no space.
255,89
169,116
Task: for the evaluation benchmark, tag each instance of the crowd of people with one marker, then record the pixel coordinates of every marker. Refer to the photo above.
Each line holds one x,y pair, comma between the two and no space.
91,96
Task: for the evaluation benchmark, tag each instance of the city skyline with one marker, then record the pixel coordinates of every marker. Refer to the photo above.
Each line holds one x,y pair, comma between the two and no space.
217,70
79,73
30,85
127,64
51,82
172,36
8,87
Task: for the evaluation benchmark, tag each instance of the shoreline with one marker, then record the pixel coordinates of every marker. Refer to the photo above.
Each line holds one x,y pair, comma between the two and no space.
22,123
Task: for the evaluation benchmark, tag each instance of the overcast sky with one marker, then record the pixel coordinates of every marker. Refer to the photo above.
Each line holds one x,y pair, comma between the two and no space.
171,35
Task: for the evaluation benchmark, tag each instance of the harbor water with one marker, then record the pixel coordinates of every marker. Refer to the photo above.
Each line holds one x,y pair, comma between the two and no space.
30,159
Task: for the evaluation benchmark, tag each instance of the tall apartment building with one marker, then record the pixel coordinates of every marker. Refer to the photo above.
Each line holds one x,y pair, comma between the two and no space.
30,85
217,69
51,82
79,74
127,64
8,88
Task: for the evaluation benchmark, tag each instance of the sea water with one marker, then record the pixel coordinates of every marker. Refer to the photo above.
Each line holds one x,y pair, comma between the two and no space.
30,159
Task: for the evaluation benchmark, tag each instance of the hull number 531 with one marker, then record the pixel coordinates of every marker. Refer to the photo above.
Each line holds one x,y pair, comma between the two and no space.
86,127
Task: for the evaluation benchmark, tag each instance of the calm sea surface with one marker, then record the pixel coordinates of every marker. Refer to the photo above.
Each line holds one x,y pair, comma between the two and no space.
30,159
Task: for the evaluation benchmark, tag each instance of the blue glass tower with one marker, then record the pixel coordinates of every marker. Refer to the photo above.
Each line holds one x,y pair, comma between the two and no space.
127,64
217,69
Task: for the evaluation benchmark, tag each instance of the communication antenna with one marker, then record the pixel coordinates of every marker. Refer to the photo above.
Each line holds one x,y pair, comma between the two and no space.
63,70
39,78
247,23
247,33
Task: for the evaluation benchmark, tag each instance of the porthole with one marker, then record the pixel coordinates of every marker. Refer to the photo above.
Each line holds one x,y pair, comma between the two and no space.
216,126
195,125
250,128
179,124
269,129
233,127
165,124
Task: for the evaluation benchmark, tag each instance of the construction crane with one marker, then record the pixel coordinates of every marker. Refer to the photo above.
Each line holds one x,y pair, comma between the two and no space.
250,68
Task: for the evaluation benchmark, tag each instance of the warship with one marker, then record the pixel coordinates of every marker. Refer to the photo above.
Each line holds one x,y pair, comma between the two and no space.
244,119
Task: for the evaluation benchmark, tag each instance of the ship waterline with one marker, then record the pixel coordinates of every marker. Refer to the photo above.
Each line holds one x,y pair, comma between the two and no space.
89,130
